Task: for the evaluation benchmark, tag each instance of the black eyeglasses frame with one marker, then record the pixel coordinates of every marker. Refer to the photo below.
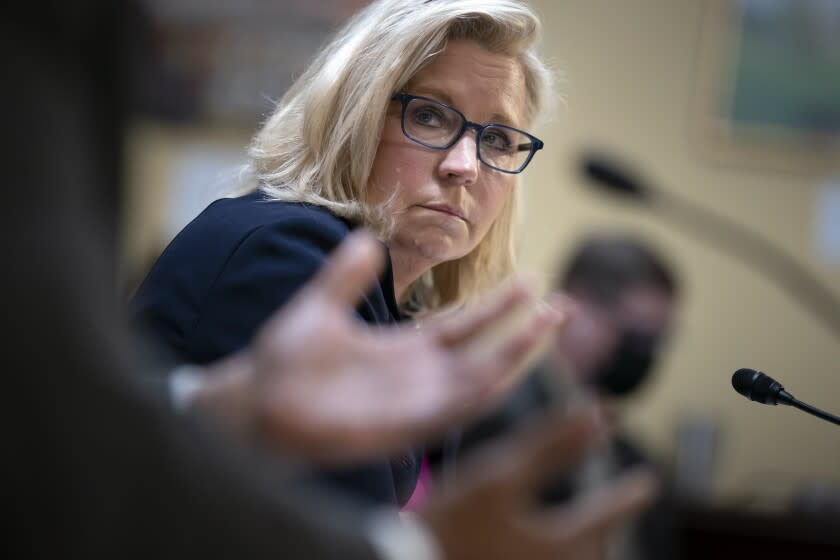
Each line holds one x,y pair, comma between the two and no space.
535,145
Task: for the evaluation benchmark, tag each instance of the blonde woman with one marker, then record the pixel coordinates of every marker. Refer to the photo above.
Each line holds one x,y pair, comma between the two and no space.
413,123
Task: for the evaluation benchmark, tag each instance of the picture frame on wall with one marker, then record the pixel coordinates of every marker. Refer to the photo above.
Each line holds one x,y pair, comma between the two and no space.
768,90
228,61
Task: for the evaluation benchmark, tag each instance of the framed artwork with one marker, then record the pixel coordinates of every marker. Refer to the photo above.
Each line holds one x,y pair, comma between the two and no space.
768,89
227,60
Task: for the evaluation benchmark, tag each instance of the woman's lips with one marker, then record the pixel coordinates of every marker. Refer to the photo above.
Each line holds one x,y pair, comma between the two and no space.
445,210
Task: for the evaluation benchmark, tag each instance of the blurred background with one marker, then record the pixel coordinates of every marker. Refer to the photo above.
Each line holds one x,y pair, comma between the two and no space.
731,106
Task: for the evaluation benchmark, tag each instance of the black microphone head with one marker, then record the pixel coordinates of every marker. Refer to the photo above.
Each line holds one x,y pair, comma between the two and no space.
612,177
756,386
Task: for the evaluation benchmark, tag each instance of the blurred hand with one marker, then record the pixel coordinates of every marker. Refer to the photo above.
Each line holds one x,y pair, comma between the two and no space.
319,382
492,511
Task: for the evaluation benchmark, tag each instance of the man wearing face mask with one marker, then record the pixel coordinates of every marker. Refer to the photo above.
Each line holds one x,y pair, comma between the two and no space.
626,296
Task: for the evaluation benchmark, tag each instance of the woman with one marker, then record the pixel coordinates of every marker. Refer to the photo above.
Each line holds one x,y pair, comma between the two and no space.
389,128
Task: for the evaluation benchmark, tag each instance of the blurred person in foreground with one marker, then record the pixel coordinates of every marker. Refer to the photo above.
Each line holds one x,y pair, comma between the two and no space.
97,468
412,122
626,298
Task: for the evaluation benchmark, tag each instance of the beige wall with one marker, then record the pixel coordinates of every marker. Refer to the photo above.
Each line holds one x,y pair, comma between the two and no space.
156,151
630,80
630,69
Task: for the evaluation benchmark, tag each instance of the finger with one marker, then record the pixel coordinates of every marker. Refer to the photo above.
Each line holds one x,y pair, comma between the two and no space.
602,510
349,271
467,324
558,443
563,303
490,370
546,445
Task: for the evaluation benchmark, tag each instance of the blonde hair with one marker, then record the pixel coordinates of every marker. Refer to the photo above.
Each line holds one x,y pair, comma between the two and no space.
319,144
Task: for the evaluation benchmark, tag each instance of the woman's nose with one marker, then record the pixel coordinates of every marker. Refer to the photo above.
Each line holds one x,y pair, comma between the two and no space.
461,160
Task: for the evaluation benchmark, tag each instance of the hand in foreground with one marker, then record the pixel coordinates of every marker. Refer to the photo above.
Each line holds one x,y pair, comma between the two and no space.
491,511
319,382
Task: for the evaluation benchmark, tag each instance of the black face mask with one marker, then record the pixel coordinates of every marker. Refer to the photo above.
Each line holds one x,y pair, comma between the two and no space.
630,364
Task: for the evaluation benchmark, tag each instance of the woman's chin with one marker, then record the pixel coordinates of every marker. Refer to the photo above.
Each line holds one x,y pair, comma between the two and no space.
435,246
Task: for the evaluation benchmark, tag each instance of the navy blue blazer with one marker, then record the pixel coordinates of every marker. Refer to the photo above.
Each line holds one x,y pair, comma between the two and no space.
227,271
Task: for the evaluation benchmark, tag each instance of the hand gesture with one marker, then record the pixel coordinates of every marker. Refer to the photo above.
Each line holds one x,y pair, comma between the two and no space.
319,382
491,512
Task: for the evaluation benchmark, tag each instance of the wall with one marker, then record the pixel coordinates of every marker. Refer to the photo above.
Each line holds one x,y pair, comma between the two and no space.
630,84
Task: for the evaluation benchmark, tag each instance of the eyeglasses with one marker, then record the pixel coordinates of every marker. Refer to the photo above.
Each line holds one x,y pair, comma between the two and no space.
438,126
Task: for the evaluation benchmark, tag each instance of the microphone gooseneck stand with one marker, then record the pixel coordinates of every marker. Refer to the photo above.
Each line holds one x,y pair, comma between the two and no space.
725,235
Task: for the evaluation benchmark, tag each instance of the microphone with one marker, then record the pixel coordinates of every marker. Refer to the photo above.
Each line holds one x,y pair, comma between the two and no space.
762,388
614,179
723,234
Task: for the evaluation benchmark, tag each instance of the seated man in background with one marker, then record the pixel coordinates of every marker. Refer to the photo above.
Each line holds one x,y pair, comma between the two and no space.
626,296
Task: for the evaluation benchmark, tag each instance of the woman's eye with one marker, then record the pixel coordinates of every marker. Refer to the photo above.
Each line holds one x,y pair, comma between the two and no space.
428,116
497,140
